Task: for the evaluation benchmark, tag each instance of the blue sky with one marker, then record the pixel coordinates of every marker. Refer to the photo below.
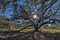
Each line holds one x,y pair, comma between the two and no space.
9,8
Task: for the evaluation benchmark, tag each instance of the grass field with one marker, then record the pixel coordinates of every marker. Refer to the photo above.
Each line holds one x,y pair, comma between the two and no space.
29,29
13,32
7,26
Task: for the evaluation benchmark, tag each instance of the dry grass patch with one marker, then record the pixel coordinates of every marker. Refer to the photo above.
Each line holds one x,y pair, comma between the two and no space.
49,30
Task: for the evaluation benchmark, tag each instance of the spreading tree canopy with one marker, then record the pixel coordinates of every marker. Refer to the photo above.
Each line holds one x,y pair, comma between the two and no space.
35,12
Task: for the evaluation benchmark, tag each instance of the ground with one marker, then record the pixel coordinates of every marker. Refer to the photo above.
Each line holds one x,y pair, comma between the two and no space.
10,32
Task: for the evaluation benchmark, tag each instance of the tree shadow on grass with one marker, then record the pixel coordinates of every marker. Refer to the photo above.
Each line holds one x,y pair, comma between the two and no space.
33,36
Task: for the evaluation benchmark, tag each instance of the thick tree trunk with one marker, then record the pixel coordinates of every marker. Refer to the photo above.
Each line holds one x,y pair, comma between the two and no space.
36,28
